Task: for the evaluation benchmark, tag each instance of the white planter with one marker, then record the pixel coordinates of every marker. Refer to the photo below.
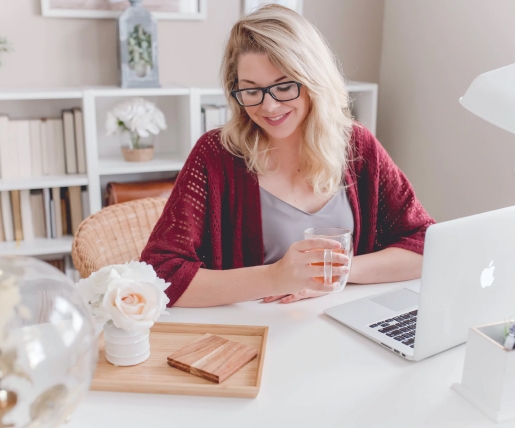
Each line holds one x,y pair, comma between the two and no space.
489,373
126,347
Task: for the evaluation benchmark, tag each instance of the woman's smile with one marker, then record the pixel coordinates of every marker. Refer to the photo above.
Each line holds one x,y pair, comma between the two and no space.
276,120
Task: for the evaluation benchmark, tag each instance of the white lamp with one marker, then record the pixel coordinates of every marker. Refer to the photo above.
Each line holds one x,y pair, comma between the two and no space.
489,370
491,96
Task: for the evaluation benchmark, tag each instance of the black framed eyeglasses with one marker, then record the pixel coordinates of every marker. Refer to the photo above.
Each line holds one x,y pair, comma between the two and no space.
284,91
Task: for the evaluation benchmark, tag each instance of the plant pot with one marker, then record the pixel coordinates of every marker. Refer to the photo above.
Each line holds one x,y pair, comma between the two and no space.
138,155
489,372
126,347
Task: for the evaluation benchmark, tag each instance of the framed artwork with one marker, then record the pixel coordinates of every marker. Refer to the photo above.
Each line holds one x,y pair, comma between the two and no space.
250,5
161,9
137,49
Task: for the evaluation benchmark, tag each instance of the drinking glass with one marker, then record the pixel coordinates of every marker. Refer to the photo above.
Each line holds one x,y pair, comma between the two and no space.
344,237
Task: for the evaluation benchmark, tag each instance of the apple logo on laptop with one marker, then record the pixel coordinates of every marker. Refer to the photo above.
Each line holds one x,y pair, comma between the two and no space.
487,276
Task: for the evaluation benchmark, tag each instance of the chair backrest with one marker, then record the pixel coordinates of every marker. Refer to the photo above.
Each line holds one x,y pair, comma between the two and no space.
116,234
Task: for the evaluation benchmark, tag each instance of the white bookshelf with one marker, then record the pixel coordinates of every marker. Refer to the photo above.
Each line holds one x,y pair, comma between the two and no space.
38,247
182,109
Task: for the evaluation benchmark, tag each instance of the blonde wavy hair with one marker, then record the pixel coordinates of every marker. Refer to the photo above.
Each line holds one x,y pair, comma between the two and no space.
298,49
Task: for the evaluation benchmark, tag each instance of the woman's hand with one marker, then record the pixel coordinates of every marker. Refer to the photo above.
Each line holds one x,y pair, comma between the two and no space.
295,272
289,298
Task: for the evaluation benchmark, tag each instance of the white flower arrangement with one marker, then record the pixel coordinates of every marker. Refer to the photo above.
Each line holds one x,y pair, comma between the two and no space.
139,117
131,295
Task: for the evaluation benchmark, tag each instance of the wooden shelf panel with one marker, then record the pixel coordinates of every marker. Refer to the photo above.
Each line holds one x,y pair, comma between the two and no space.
141,92
161,162
43,182
39,94
37,247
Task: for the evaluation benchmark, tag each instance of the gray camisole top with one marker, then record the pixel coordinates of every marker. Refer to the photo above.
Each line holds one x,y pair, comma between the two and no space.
283,224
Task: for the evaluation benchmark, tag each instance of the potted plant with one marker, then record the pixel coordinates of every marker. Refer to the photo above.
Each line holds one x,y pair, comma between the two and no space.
489,371
136,122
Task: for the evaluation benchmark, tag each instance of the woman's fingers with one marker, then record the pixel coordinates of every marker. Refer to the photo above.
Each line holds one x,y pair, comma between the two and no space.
304,294
321,287
316,244
317,256
336,271
273,298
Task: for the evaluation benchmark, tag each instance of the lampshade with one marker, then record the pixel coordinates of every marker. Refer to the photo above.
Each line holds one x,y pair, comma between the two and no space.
491,96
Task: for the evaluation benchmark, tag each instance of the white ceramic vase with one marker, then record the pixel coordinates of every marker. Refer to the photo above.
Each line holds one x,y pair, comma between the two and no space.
126,347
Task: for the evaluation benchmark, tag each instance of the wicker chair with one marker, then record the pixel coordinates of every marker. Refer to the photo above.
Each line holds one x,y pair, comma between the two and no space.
116,234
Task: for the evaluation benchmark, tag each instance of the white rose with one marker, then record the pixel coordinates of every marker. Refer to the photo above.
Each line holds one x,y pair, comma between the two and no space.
159,119
138,115
111,124
141,124
134,305
96,284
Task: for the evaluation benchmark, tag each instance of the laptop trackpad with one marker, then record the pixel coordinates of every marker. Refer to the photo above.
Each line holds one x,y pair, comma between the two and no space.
397,300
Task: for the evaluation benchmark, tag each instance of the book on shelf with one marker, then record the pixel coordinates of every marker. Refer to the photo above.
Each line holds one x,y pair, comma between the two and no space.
21,138
16,207
65,211
74,193
8,151
57,215
45,150
48,218
36,154
47,146
38,213
55,146
213,116
84,197
80,142
7,216
69,142
42,213
26,215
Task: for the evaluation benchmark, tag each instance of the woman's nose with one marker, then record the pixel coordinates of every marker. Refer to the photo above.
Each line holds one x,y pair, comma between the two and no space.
269,103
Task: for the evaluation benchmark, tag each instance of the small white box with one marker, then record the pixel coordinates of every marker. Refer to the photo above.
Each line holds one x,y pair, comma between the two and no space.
489,372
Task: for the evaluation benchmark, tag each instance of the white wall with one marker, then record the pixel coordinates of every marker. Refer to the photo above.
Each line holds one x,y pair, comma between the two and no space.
432,50
68,52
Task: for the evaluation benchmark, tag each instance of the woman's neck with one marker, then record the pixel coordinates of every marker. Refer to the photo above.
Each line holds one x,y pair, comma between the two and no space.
285,152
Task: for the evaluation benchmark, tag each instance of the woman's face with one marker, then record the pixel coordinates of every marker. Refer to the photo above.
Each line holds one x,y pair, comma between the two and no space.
279,120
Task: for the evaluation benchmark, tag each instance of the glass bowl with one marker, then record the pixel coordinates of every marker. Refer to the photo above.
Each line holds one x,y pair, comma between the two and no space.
48,346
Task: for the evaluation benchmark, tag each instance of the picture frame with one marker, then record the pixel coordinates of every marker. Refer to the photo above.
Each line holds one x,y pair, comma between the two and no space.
250,5
137,49
112,9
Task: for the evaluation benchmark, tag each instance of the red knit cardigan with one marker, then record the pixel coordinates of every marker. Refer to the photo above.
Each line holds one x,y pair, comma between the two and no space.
212,219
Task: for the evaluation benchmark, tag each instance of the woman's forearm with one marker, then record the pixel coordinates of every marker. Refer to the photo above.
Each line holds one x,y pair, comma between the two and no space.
388,265
223,287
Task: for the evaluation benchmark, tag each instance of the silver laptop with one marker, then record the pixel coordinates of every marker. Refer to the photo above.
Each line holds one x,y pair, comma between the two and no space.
468,279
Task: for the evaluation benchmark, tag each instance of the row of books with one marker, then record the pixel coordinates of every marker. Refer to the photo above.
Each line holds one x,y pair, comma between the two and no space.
214,116
33,148
42,213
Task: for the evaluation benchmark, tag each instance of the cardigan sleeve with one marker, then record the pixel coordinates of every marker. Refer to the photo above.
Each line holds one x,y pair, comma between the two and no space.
401,220
174,246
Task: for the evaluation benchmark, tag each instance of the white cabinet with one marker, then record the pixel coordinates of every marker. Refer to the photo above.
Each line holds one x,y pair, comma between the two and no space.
182,108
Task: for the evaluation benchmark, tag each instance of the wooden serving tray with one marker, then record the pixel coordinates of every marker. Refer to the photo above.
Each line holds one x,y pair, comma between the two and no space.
155,376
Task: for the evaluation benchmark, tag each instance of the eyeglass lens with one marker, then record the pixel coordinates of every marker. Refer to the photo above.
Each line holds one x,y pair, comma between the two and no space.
285,92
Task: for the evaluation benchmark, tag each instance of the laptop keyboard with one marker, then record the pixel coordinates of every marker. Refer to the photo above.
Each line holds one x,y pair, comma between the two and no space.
401,328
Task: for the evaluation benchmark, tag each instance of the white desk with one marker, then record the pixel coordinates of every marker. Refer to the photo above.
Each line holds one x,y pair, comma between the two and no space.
317,373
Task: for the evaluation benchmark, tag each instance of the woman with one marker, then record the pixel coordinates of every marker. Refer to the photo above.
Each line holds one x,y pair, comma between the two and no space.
291,144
